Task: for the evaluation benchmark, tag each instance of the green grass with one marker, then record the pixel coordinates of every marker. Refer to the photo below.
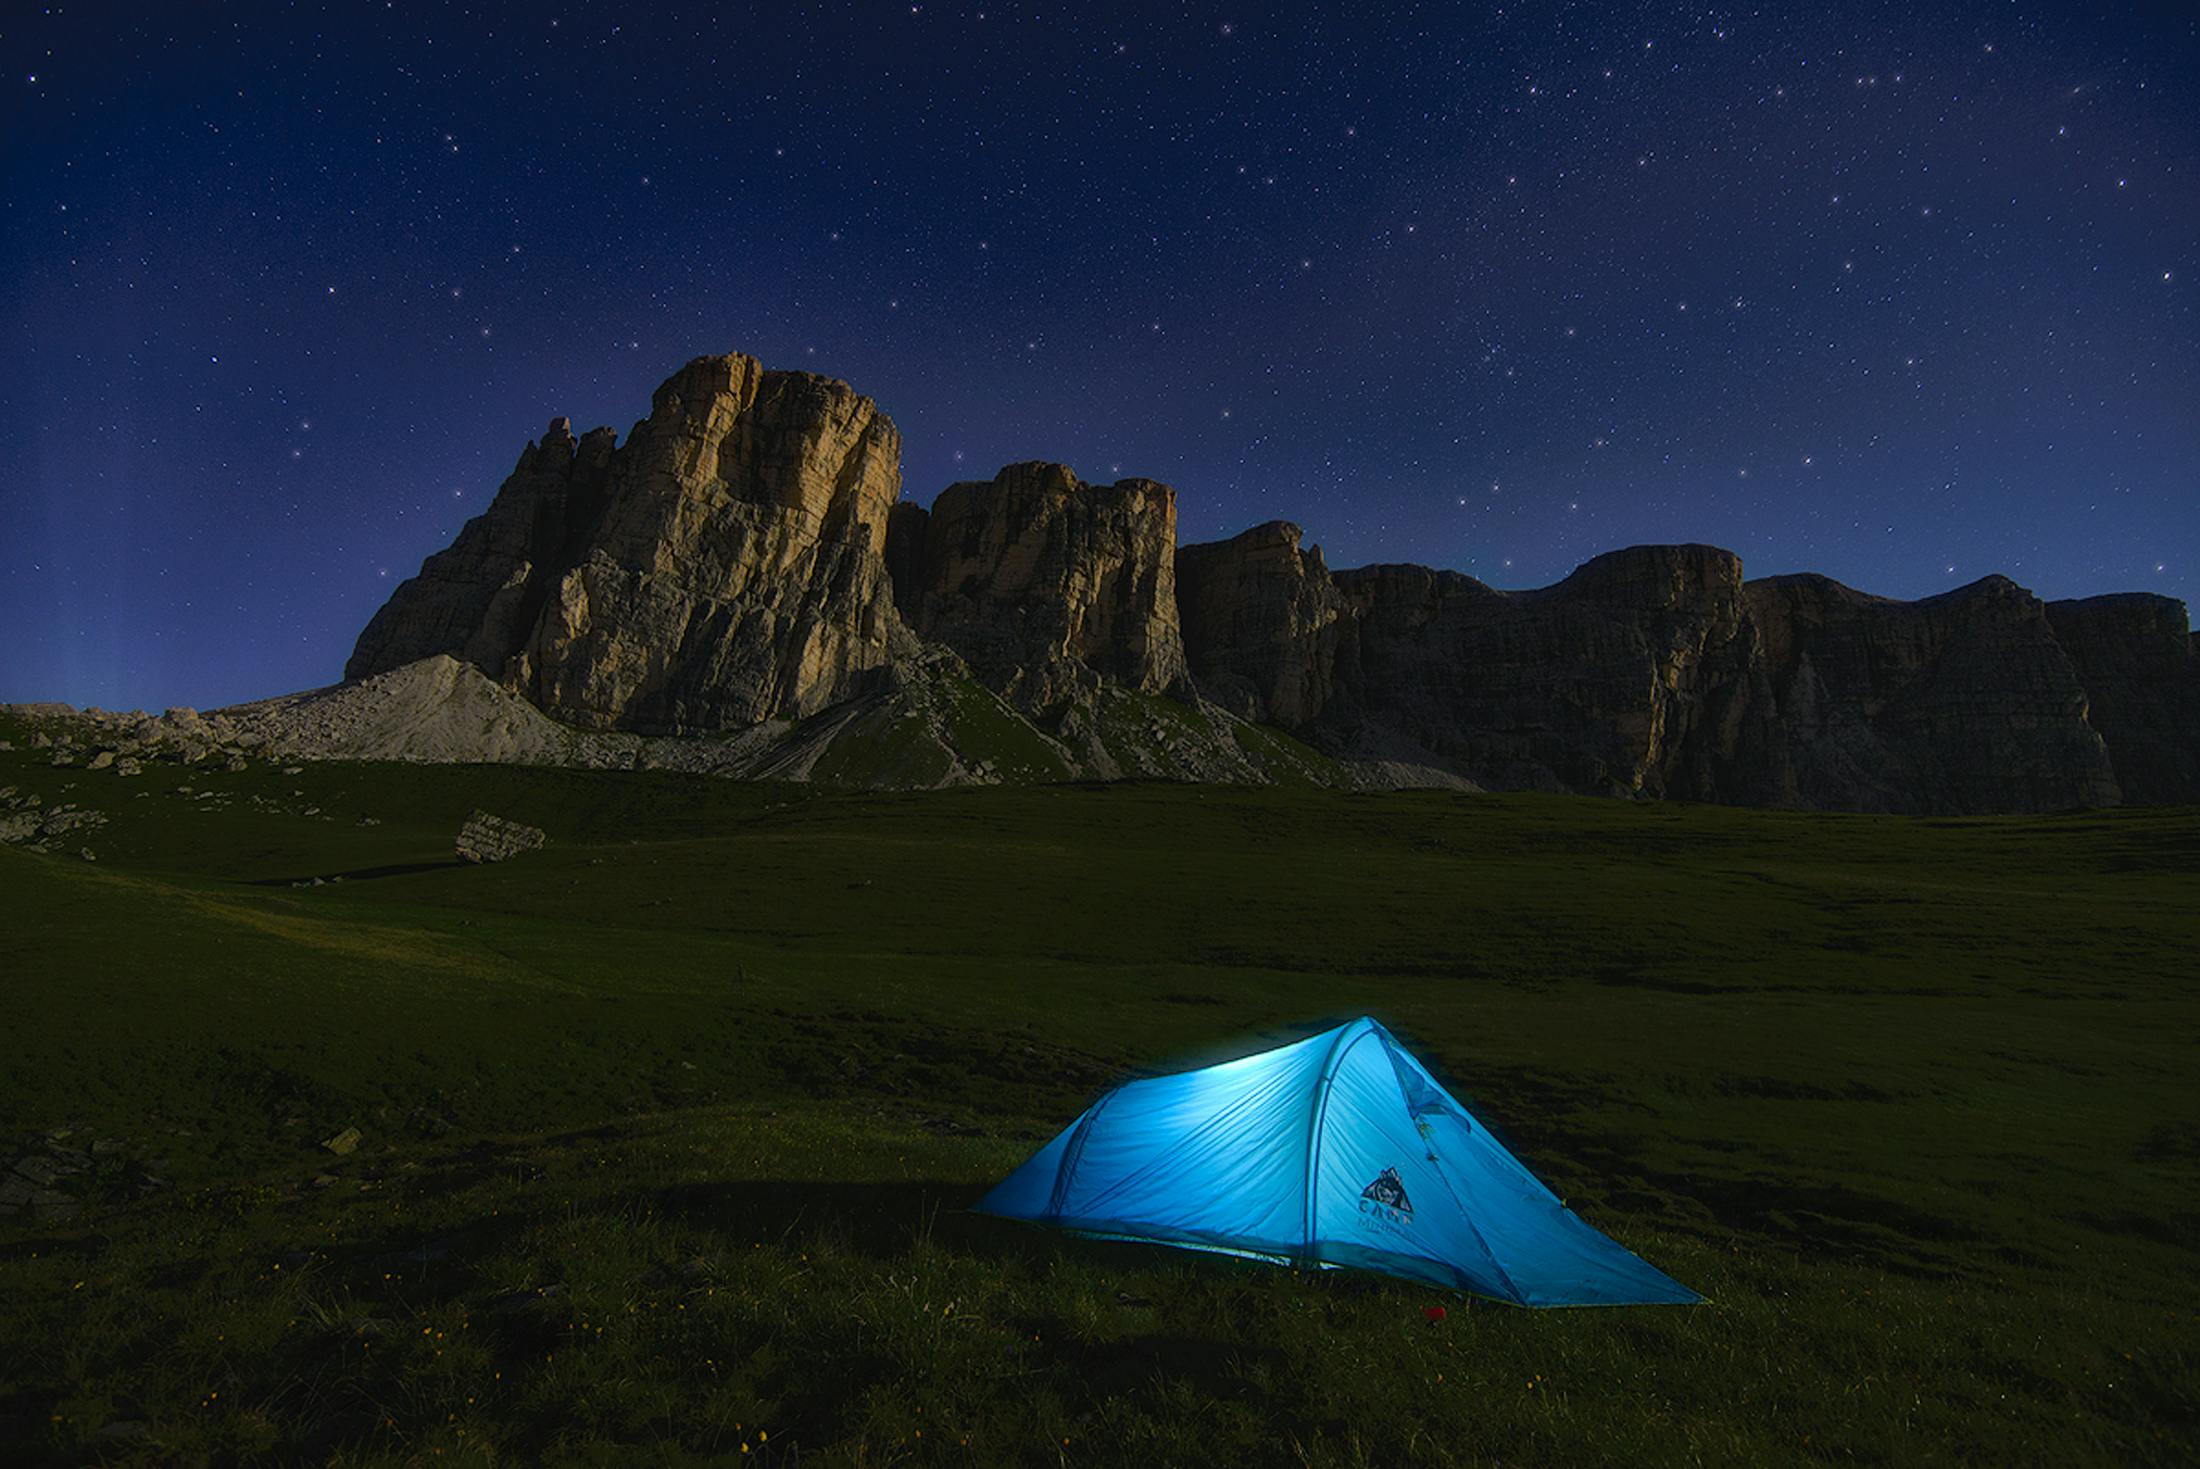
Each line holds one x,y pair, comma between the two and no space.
668,1127
880,744
1287,760
986,729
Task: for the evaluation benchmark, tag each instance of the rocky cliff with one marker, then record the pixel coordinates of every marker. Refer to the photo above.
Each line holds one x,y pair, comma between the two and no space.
743,573
2139,665
478,599
1631,677
1264,619
724,566
1657,671
1047,586
1960,702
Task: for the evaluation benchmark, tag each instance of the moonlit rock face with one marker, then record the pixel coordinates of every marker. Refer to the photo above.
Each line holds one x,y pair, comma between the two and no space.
1609,682
476,600
1046,585
1263,619
721,568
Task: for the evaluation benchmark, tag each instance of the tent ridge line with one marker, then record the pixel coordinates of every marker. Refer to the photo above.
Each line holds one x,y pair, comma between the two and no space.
1348,1036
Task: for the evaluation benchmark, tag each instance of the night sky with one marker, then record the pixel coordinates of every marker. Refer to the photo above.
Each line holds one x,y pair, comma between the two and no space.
1903,294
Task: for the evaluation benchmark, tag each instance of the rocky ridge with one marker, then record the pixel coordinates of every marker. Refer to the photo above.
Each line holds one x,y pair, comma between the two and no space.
739,589
1660,671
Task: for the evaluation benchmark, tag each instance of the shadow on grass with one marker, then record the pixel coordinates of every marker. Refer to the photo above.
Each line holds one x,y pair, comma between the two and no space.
820,1373
882,1219
360,874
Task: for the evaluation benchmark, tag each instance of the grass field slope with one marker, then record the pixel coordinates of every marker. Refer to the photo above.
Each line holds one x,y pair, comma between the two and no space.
654,1145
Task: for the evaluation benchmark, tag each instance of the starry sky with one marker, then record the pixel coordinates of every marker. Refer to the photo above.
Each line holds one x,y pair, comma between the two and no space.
1901,293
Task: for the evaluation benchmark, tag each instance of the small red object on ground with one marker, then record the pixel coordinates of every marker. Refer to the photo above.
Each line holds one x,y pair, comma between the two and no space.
1434,1313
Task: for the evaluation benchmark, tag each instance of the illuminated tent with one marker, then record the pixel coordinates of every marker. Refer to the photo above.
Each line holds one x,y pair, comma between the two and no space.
1337,1152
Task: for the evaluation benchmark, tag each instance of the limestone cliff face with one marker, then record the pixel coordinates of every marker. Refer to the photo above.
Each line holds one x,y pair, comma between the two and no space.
2140,666
1046,585
1629,677
478,599
724,566
1961,702
1264,617
1622,679
1656,671
737,573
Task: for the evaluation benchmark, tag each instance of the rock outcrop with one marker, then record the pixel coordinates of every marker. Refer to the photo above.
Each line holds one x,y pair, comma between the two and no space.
27,821
1045,585
1657,671
478,599
486,838
737,572
1960,702
1264,619
1628,678
1624,679
724,566
2140,667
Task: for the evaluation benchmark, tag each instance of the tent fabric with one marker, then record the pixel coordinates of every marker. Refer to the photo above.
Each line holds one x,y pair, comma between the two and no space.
1337,1152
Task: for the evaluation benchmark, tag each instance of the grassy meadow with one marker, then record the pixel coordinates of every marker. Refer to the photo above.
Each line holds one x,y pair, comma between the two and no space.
666,1131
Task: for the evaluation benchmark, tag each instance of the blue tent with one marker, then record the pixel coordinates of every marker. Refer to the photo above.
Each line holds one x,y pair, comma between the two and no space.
1337,1152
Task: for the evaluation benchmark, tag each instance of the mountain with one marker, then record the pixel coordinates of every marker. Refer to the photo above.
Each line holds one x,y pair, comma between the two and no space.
1658,671
740,588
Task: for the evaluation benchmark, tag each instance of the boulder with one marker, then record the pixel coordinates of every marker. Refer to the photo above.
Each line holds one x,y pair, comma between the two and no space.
486,838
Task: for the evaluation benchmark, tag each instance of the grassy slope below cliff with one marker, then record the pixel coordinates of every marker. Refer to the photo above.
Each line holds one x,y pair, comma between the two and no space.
666,1127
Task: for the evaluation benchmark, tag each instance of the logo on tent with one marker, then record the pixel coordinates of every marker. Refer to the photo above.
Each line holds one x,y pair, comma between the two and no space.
1389,1191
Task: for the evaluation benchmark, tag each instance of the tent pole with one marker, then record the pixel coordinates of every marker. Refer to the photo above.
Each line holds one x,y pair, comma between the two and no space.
1347,1037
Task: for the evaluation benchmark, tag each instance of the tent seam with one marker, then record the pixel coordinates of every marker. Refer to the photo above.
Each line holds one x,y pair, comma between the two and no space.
1071,1154
1346,1039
